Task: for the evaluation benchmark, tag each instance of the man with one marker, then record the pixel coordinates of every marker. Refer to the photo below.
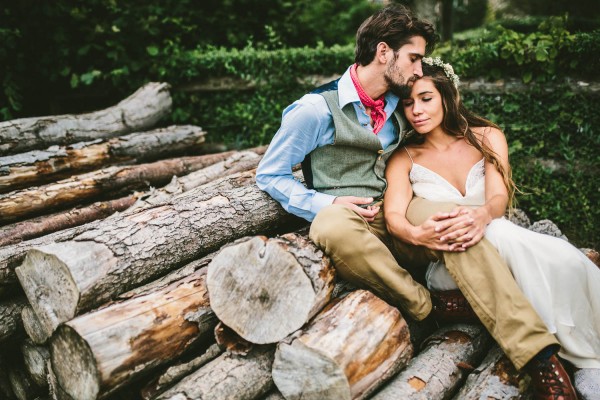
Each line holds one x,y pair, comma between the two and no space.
343,133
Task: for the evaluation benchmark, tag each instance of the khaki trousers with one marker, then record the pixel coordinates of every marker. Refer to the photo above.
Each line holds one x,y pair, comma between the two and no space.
368,256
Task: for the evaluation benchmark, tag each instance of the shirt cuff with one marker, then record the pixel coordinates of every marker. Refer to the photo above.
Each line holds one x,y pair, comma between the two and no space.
321,200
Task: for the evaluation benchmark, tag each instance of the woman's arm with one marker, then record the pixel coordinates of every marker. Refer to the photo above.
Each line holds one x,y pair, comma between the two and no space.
496,194
397,197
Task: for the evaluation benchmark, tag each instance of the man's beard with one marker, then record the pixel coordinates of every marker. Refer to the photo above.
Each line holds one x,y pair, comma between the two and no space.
399,86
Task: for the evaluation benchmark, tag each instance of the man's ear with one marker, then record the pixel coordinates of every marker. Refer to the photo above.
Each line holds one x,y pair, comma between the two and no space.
383,52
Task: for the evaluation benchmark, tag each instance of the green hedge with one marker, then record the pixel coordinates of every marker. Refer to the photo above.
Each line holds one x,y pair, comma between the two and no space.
559,124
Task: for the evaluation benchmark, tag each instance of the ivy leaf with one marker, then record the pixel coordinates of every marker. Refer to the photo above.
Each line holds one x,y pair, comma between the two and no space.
541,55
89,77
527,76
152,50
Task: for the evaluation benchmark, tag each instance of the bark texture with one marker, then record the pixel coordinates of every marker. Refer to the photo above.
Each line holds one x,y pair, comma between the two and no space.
99,352
10,317
177,372
32,326
495,379
230,376
64,279
13,255
346,352
142,110
47,224
265,289
442,366
225,164
36,362
41,166
108,182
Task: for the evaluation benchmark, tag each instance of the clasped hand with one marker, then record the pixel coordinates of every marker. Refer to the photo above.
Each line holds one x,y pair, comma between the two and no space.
457,230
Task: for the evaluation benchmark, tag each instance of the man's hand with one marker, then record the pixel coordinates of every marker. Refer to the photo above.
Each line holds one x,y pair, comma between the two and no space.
353,203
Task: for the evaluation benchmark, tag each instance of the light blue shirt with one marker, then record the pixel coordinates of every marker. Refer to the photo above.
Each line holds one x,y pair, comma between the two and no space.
305,125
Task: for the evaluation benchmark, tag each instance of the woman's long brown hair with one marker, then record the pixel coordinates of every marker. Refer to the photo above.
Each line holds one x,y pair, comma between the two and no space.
458,121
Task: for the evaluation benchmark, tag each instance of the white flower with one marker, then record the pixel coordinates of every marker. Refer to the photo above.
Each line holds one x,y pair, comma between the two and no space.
448,70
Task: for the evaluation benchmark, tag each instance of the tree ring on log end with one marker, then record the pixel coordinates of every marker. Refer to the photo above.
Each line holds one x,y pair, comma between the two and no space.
74,364
302,372
259,290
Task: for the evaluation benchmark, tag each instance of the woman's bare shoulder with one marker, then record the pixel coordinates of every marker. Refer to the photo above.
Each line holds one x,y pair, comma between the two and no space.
488,133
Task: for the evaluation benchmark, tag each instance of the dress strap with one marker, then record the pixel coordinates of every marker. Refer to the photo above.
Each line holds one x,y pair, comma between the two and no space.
409,156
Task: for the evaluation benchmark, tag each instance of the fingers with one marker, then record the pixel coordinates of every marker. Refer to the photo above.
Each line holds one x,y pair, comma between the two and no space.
368,213
452,224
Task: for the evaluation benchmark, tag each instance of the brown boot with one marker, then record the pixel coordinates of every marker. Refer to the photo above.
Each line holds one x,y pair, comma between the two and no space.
549,380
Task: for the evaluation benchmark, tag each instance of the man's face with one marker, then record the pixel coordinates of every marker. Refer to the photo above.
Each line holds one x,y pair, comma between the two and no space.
405,65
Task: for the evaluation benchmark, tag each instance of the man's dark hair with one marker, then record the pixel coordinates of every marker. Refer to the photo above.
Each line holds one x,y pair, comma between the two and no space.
394,25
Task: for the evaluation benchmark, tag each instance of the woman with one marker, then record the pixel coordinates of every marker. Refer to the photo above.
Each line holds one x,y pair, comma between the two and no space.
456,156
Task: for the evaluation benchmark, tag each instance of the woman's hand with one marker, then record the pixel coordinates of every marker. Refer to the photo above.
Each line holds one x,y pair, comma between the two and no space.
467,229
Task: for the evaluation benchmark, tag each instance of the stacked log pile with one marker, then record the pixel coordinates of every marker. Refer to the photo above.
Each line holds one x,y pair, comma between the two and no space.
175,277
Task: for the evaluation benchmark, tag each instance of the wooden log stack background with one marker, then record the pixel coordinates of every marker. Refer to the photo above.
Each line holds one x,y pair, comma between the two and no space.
139,262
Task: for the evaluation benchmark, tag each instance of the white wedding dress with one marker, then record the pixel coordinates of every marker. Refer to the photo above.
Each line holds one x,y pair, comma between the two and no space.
561,283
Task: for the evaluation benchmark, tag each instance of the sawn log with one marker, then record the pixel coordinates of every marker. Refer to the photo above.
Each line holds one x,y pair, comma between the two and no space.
265,289
64,279
346,352
142,110
42,166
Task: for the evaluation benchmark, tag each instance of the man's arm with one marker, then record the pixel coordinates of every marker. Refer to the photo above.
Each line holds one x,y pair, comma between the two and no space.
305,125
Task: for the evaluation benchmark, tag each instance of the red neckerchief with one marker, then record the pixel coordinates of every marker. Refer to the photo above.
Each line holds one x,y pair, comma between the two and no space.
378,114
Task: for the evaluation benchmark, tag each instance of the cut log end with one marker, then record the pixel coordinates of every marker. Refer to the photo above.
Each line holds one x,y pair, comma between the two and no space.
294,374
57,276
53,296
74,364
273,295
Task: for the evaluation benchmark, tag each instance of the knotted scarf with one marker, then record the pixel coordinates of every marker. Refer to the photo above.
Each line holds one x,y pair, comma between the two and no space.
378,114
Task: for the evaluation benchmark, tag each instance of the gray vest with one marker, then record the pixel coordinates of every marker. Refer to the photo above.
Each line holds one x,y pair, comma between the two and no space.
354,165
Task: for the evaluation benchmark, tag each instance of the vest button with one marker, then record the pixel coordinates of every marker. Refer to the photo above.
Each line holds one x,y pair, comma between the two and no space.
380,151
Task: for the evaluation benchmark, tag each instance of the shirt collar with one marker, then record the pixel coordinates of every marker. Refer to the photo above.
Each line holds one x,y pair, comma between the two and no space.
347,94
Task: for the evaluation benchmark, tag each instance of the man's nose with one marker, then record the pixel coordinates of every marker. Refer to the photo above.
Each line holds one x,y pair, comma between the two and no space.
418,71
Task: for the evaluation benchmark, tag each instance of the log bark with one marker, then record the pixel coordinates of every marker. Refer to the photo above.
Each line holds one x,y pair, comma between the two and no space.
64,279
230,376
442,366
97,353
13,256
346,352
10,317
32,326
495,378
36,227
79,189
6,391
228,164
177,372
142,110
22,385
265,289
36,362
41,166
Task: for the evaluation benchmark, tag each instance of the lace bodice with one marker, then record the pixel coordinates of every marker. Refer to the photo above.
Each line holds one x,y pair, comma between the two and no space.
432,186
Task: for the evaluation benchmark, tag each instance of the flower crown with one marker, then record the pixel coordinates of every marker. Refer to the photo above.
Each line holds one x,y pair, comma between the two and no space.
448,70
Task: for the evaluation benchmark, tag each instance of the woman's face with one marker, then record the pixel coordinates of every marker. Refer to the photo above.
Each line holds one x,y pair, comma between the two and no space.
424,109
